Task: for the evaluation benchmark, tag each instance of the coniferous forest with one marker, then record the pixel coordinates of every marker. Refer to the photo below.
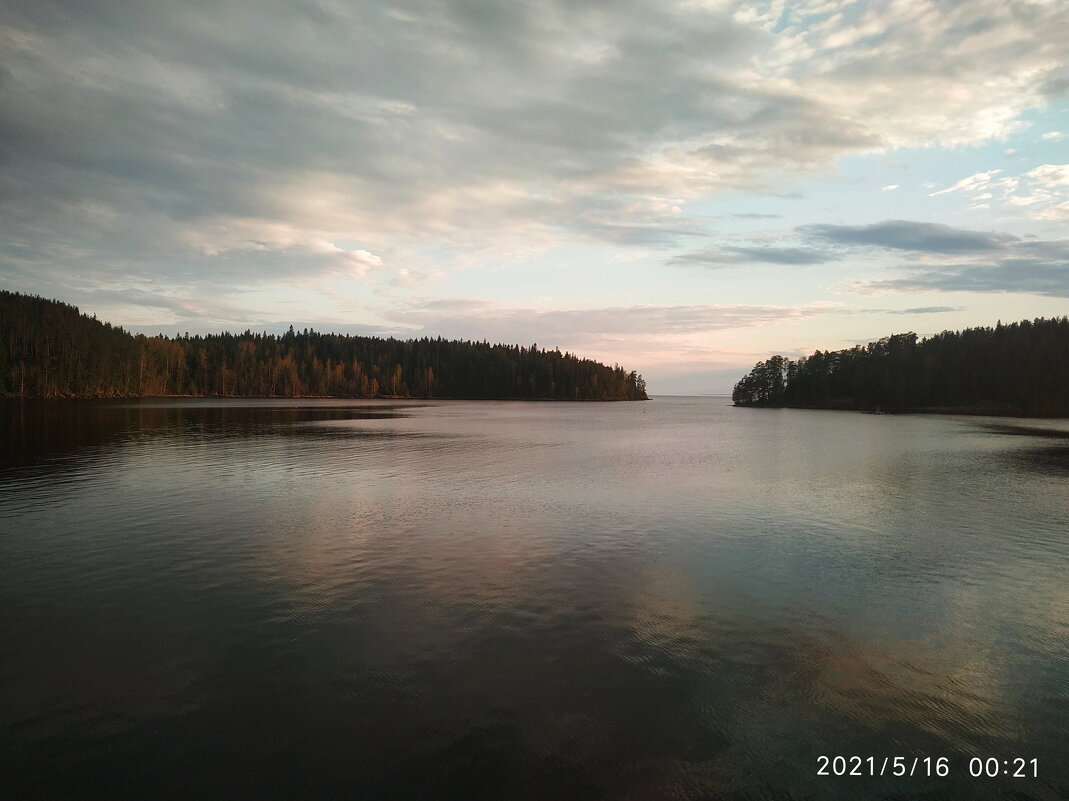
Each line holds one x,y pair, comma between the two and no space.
1016,369
50,349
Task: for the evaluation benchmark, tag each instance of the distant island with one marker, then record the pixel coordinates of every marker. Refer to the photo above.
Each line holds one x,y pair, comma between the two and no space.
49,349
1017,369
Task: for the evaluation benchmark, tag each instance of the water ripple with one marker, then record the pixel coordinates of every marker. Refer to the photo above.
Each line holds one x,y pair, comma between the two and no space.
460,600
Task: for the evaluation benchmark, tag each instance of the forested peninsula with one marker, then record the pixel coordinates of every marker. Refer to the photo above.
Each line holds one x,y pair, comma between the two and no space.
1017,369
49,349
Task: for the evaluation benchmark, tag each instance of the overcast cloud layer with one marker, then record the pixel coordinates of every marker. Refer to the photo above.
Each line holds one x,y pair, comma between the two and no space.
206,164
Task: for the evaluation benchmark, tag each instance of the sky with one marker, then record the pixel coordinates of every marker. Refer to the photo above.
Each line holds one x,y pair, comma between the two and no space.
683,188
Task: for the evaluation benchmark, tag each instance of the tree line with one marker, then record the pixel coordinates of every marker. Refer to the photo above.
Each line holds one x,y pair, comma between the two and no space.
1021,368
50,349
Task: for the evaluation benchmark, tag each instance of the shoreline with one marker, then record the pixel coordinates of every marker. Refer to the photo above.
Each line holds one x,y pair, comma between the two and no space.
307,397
969,411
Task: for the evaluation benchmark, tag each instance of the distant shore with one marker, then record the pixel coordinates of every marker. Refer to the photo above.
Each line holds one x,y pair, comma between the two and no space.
308,397
972,411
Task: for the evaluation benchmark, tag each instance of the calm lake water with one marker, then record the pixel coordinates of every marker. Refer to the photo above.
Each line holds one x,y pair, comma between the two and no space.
447,600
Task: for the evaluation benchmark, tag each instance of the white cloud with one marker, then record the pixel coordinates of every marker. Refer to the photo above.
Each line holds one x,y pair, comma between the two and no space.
1049,175
1042,192
976,182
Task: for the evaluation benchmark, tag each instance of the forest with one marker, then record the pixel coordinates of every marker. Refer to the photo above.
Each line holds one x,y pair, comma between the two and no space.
50,349
1016,369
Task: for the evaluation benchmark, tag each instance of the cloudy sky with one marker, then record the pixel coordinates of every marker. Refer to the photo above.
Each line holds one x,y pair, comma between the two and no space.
680,187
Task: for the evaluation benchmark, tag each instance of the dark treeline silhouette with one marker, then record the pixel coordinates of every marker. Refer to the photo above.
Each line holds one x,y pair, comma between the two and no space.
50,349
1017,369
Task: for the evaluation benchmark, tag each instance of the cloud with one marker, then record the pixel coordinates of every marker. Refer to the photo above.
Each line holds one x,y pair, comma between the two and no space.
928,246
946,259
941,258
464,318
927,310
299,259
915,310
736,254
914,236
215,144
890,188
1045,191
1053,135
977,181
1010,275
1041,193
1025,266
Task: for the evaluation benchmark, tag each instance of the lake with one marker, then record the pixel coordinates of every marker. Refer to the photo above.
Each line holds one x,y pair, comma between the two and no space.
460,600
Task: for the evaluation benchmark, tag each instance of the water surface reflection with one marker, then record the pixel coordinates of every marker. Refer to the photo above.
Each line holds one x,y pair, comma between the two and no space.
509,600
